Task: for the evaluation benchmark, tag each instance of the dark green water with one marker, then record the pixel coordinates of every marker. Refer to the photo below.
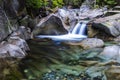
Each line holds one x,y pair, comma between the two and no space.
61,61
49,60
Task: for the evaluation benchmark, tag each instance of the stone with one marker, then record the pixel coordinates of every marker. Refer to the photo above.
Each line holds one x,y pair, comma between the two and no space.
111,53
96,71
90,43
9,50
22,32
21,43
50,25
91,31
111,27
117,39
113,73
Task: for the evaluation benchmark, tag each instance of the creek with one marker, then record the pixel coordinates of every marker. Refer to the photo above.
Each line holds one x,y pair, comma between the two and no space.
48,60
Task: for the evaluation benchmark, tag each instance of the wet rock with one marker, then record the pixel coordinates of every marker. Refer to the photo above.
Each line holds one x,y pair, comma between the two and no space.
91,31
21,43
111,53
117,39
9,50
113,73
90,54
91,43
22,32
111,27
96,72
51,25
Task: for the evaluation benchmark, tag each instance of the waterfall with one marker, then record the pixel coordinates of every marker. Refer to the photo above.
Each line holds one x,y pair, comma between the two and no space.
77,34
79,29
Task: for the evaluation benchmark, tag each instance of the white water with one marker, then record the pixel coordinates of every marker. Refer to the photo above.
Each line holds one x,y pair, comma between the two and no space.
79,29
77,34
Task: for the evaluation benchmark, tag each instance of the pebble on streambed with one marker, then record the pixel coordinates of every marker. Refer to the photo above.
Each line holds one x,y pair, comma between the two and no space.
58,75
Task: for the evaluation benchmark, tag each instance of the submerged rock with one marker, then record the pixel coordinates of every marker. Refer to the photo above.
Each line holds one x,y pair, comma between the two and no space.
111,53
89,43
113,73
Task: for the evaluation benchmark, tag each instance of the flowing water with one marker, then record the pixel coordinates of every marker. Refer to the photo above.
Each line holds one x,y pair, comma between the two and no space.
77,34
50,61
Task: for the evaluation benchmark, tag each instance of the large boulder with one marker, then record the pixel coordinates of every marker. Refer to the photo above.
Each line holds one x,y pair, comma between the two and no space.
50,25
21,43
89,43
14,47
108,25
9,50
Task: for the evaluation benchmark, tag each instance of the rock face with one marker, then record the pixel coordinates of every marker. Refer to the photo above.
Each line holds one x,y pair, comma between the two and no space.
4,25
14,7
111,27
111,53
51,25
91,43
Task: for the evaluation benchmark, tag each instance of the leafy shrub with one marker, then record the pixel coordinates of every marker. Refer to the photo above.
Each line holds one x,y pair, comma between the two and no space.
106,2
56,3
34,3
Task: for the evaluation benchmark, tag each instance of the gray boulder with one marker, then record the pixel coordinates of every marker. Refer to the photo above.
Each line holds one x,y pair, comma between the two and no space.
111,53
21,43
91,43
50,25
9,50
109,25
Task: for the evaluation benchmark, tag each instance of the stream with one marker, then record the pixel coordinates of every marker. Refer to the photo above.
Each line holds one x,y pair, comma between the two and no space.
49,60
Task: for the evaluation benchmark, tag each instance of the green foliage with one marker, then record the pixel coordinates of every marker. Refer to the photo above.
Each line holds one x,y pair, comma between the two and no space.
110,2
57,3
36,4
106,2
73,3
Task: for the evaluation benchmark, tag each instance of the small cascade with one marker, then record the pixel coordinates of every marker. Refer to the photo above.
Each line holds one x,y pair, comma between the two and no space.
77,34
79,29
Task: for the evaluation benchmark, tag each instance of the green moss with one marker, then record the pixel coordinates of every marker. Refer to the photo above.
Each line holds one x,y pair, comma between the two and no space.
34,3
